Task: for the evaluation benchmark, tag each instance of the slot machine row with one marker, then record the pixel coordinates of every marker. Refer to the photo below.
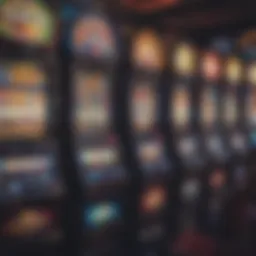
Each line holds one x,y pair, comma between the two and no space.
209,136
191,161
94,46
151,203
32,187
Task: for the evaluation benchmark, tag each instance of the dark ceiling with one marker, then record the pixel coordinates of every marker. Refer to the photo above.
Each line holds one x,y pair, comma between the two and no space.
190,15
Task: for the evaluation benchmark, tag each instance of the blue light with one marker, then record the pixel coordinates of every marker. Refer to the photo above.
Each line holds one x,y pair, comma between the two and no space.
99,215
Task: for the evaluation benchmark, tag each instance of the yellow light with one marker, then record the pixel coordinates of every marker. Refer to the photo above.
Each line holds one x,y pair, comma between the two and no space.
233,70
184,59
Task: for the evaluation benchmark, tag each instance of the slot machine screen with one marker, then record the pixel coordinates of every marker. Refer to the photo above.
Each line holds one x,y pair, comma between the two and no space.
102,163
92,111
27,21
92,36
183,64
184,59
211,73
94,48
181,106
23,104
251,77
233,77
143,106
147,53
209,112
230,113
147,59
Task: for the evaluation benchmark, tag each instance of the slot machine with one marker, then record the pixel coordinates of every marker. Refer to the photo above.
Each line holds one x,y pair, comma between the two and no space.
102,176
232,88
32,187
217,182
233,122
147,64
183,141
248,124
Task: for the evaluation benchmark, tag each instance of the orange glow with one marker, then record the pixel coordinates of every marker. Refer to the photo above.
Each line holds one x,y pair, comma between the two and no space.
147,50
153,199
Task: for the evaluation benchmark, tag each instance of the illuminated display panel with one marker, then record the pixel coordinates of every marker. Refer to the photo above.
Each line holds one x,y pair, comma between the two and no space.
251,98
231,111
92,110
209,107
27,21
184,59
100,157
233,70
180,106
23,101
25,164
93,36
211,66
147,51
143,106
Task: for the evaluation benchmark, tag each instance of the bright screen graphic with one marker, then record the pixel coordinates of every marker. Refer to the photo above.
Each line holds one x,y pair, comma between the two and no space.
98,216
180,106
147,51
153,199
143,107
230,112
184,59
23,101
100,157
209,107
233,70
93,36
25,164
211,67
27,21
92,111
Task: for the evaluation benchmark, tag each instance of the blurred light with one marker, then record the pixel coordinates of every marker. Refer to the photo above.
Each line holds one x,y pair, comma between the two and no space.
147,51
97,216
28,222
180,106
153,199
211,66
26,21
233,70
184,59
92,36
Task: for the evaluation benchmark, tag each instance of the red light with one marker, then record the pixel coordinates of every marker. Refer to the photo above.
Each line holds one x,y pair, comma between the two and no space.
211,66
